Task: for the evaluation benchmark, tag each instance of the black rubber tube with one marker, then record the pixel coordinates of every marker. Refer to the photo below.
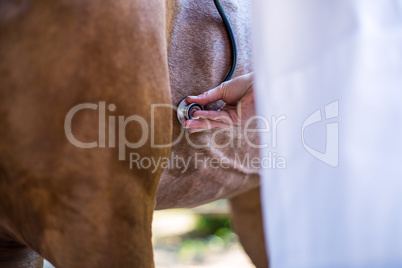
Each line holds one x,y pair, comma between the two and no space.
231,37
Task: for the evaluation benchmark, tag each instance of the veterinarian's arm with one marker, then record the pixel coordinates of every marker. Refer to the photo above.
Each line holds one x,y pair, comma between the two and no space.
239,105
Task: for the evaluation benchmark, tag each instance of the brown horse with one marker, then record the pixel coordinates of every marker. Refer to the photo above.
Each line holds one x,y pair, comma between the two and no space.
90,204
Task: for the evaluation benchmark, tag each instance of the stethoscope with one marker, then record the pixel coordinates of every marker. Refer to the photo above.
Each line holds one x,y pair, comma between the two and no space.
186,110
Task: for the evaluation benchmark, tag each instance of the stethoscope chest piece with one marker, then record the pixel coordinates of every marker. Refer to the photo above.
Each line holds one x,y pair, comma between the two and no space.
186,110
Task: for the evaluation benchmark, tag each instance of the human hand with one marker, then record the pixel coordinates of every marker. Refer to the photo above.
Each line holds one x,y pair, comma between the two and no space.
238,95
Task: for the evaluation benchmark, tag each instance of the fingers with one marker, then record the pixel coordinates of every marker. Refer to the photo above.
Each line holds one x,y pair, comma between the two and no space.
198,125
232,93
219,116
210,120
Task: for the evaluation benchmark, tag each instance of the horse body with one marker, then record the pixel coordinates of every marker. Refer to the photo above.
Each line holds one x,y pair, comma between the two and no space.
84,207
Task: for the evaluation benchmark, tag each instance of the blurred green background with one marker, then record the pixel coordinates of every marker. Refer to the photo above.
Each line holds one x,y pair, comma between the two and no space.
198,237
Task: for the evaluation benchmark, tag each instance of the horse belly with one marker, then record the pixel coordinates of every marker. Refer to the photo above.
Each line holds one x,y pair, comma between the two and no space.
199,58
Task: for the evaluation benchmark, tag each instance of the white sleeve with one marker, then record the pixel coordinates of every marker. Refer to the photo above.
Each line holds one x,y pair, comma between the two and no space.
329,82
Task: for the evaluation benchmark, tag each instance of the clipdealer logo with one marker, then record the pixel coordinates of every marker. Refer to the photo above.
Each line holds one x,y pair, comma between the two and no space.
331,154
115,126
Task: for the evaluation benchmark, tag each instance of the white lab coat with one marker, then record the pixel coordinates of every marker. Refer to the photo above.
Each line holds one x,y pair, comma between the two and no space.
334,69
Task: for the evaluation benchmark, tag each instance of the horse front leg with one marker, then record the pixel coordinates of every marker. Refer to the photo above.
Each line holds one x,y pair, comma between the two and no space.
75,206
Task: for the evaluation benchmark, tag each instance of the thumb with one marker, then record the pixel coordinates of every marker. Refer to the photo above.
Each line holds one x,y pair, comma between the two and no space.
209,96
230,91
